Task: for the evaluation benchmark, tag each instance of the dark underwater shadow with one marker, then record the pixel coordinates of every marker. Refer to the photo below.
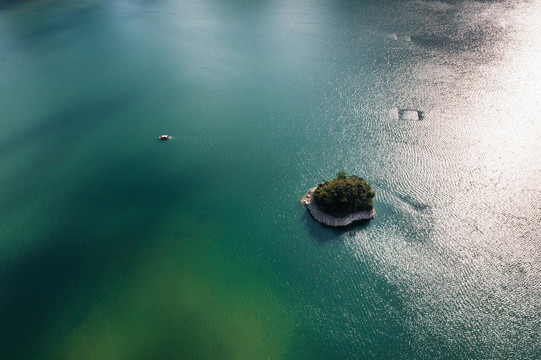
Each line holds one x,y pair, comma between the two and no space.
4,4
68,125
48,25
55,136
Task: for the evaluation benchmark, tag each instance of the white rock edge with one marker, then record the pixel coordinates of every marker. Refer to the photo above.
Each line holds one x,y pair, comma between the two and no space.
324,218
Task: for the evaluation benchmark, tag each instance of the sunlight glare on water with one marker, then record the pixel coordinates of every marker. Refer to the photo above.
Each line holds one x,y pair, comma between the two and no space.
114,245
470,243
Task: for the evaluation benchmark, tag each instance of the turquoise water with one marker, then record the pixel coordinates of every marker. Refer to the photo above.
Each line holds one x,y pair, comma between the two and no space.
114,245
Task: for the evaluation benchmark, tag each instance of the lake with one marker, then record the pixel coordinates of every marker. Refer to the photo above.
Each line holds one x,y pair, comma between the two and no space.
115,245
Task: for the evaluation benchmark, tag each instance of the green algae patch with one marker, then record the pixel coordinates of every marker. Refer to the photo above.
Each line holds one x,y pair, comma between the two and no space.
186,299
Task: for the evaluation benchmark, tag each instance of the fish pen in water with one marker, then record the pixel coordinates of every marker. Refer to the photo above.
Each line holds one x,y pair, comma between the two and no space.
410,114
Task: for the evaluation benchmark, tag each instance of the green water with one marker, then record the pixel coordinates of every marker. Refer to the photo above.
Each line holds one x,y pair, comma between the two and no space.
114,245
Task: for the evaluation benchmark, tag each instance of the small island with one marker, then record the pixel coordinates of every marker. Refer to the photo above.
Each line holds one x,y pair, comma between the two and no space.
341,201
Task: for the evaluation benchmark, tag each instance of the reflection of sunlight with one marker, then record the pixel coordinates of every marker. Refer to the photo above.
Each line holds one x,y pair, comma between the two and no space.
299,36
509,130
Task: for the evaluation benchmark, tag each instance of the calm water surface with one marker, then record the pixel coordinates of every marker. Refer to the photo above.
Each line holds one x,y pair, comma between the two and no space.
116,246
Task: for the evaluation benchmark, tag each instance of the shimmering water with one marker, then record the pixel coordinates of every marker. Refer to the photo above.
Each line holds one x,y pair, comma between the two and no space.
116,246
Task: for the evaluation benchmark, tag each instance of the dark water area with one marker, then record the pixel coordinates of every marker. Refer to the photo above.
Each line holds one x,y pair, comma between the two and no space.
114,245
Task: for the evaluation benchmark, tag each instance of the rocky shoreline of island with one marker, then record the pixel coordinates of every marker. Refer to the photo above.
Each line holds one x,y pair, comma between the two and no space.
329,220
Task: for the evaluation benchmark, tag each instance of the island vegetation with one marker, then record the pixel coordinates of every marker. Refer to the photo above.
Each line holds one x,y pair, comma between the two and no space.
344,195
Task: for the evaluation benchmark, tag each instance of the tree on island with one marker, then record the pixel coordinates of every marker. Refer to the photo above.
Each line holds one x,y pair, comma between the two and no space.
344,195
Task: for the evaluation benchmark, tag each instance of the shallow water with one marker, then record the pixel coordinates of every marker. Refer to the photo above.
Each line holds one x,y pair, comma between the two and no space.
114,245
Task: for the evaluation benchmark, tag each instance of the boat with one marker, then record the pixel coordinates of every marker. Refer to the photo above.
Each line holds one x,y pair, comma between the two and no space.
164,137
